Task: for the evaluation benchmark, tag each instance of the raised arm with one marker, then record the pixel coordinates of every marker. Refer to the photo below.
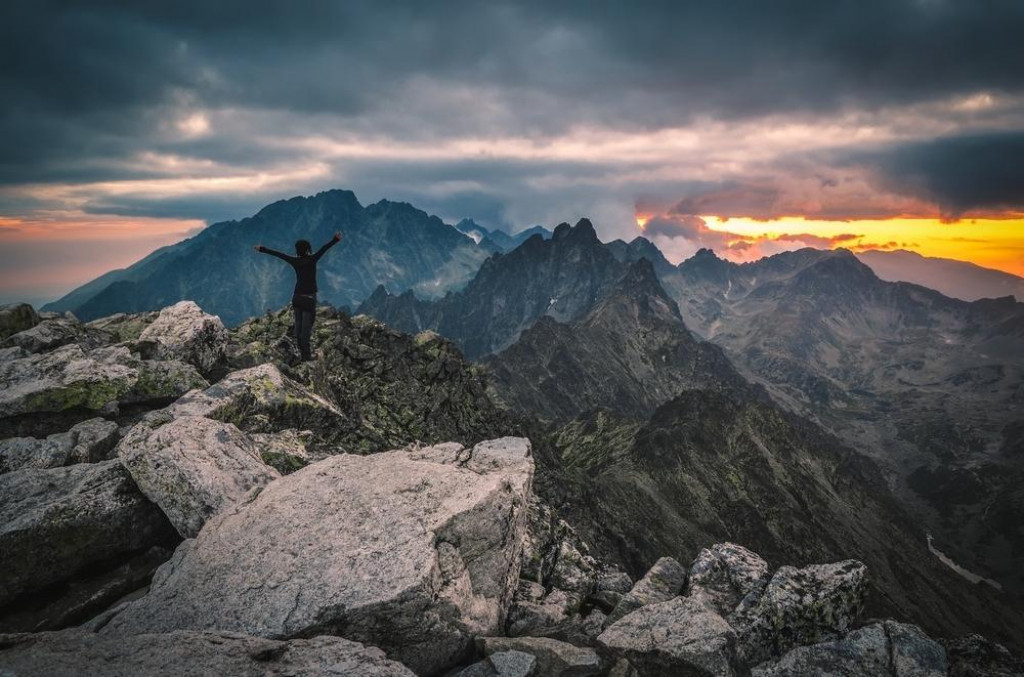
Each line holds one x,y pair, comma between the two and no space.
330,243
273,252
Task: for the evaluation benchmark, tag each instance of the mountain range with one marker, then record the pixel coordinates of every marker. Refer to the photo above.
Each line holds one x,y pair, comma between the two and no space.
389,243
957,279
927,386
885,409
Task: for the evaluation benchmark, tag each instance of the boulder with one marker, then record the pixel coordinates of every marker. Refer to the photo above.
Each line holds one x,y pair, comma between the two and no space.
124,327
162,380
56,522
537,614
622,668
263,400
413,551
16,317
94,440
554,555
193,467
887,648
975,656
184,332
554,658
65,378
53,333
725,573
73,652
513,664
285,451
817,603
86,442
682,636
613,580
661,583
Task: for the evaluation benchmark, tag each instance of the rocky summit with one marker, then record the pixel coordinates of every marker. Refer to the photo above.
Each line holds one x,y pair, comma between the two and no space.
179,497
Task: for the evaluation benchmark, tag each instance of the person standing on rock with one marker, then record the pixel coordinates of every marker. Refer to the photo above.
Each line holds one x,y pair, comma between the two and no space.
304,297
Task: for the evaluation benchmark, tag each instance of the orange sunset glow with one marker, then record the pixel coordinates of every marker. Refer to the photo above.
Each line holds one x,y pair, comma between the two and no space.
988,242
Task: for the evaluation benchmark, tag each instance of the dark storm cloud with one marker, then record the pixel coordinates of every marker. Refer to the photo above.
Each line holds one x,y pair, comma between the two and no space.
959,174
84,79
98,91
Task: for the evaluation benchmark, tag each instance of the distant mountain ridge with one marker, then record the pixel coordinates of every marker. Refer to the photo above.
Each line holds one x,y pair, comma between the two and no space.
957,279
390,243
929,386
561,277
500,240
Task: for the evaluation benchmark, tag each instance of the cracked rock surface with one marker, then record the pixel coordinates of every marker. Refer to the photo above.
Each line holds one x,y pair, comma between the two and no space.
412,551
189,653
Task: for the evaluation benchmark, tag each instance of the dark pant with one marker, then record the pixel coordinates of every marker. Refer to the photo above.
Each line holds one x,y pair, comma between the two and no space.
305,313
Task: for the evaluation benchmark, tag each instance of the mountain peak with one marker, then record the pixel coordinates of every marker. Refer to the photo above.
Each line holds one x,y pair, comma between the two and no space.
706,265
583,231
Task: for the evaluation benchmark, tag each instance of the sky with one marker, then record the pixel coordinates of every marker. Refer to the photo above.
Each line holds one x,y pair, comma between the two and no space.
749,127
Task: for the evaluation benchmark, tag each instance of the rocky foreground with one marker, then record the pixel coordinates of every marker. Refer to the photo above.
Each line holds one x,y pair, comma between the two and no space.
176,499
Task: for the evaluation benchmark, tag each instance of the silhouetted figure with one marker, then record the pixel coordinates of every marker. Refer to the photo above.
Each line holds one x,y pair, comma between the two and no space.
304,297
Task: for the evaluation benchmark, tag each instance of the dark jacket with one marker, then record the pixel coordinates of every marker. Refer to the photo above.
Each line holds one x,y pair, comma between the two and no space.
305,267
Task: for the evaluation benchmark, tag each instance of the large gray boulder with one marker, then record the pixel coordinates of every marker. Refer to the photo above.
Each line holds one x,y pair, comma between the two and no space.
74,652
53,333
817,603
554,658
69,378
56,522
661,583
65,378
16,317
193,467
726,573
86,442
888,648
184,332
682,636
413,551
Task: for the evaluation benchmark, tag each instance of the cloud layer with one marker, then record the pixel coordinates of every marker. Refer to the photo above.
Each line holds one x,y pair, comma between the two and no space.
515,113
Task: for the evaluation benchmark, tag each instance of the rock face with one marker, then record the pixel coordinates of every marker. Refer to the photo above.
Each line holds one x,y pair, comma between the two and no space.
63,379
193,467
726,573
800,606
189,653
554,658
629,353
392,389
184,332
262,400
52,333
975,656
15,317
664,581
87,442
560,277
70,383
889,648
56,522
679,637
414,551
